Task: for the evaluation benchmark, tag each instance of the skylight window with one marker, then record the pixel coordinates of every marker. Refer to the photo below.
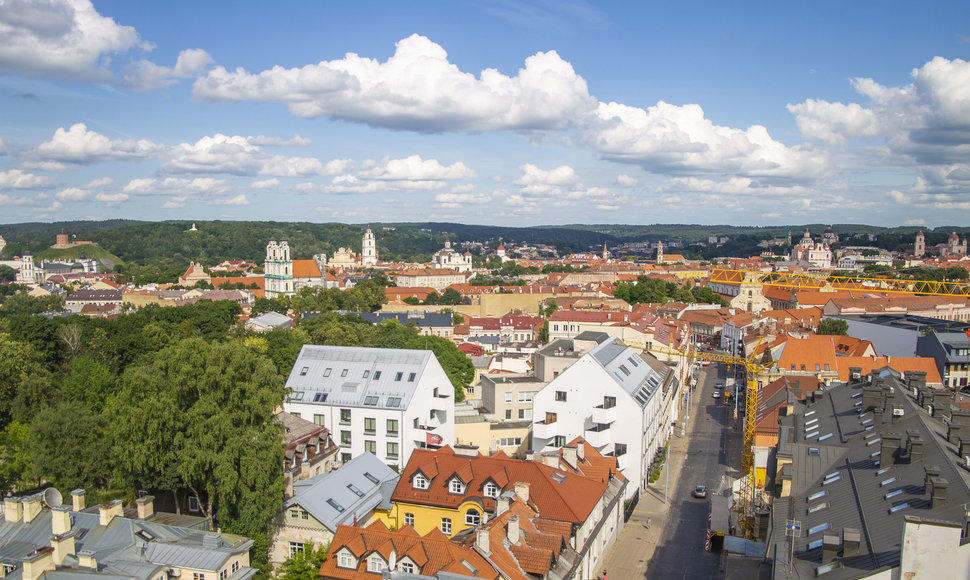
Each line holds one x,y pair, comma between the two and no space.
817,529
319,397
327,372
633,361
824,437
394,401
814,545
371,401
304,371
896,508
398,376
354,489
411,377
371,478
335,505
817,495
377,375
893,494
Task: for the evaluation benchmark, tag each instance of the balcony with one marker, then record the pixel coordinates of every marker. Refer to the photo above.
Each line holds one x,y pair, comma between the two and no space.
598,436
543,430
604,415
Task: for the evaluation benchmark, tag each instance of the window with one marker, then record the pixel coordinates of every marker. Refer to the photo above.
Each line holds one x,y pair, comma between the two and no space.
377,375
561,396
619,449
370,425
392,451
335,505
398,376
394,401
560,441
366,374
411,377
343,373
526,396
305,514
320,420
303,371
508,413
235,566
344,458
408,567
609,402
295,548
353,488
345,439
326,373
370,447
409,519
508,397
446,526
491,490
320,397
371,478
392,426
375,564
346,560
419,482
456,486
295,513
625,370
371,401
472,517
194,504
525,414
550,418
198,575
510,441
224,574
344,416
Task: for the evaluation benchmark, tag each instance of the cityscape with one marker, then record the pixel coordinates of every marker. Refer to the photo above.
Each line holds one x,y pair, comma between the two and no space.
507,290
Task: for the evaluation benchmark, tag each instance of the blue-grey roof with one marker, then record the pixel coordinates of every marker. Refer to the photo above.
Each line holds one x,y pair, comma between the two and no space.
356,373
629,369
331,500
419,319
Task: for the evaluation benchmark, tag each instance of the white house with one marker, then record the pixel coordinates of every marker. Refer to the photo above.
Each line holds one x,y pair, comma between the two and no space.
602,397
380,400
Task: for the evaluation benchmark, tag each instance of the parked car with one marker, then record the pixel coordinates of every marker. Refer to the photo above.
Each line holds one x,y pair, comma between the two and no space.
719,385
700,492
717,394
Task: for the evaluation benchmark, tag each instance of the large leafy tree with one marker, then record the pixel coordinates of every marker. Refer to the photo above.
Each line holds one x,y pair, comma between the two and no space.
305,564
69,447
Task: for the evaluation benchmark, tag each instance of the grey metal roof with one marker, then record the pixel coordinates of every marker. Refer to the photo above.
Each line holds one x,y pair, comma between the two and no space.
630,370
419,319
330,499
271,319
356,373
839,482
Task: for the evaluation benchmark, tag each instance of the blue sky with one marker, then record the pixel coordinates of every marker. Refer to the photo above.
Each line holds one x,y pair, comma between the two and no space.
490,112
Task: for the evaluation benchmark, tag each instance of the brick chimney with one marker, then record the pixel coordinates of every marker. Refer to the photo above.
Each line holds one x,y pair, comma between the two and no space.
482,541
889,449
512,530
32,507
109,510
145,506
13,509
522,490
77,500
37,562
60,520
63,547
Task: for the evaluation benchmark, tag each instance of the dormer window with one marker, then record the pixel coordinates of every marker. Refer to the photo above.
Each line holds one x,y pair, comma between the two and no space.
346,560
375,564
419,482
456,486
491,490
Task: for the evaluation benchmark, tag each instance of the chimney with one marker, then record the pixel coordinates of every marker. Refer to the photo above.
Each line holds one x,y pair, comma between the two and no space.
830,548
938,491
145,506
916,449
87,559
288,482
889,449
513,530
38,562
876,415
77,500
466,450
501,505
60,520
32,507
581,450
109,510
63,547
13,509
851,540
871,398
481,541
928,474
522,490
569,456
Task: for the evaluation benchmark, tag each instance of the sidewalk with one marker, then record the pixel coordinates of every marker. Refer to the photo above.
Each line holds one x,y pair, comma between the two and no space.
642,533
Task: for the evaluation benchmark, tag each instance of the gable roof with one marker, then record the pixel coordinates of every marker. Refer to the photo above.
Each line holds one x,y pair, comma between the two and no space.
306,269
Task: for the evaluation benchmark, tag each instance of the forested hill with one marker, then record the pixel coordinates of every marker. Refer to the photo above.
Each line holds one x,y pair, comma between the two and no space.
215,241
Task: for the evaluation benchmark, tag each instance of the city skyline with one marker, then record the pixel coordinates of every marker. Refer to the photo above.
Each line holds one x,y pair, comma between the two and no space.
494,112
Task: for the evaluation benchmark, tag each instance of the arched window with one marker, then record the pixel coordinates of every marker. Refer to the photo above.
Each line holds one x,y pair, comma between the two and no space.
472,517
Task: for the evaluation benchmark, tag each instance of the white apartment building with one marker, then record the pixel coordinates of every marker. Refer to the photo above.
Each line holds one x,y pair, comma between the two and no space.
602,397
380,400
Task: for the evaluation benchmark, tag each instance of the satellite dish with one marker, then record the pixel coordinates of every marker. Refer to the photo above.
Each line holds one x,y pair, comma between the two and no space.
52,497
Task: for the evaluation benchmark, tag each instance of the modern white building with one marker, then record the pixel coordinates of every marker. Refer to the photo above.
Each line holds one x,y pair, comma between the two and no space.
278,270
621,402
379,400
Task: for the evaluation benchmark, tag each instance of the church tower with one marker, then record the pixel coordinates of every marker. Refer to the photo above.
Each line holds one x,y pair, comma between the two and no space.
368,254
278,270
660,252
919,249
26,274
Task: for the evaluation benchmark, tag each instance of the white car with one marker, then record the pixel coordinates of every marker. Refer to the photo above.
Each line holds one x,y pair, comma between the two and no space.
717,394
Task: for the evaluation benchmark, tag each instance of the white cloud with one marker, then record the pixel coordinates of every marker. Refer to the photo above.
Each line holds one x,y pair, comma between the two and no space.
19,179
144,76
53,207
915,222
45,165
625,180
733,186
176,186
415,89
238,200
191,62
294,141
73,194
175,202
101,182
674,139
238,156
112,198
11,200
415,168
78,145
461,199
265,183
833,123
532,175
65,39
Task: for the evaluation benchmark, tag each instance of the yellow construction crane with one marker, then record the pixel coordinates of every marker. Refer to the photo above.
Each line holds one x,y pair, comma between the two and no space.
746,501
855,283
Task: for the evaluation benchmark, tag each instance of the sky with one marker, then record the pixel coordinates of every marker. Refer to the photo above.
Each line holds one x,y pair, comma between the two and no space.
495,112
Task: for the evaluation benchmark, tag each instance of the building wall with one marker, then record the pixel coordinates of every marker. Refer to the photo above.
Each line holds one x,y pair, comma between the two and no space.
933,549
296,529
427,518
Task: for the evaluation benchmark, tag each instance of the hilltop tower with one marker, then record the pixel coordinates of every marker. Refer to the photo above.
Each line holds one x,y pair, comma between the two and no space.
919,248
368,254
278,270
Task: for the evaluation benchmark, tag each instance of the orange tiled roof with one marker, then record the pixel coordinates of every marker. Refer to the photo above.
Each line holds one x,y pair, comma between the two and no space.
306,269
902,364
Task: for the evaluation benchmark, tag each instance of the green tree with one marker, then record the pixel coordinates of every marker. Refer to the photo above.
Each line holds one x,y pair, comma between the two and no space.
16,466
833,326
262,305
303,565
89,381
7,274
450,297
69,447
19,363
